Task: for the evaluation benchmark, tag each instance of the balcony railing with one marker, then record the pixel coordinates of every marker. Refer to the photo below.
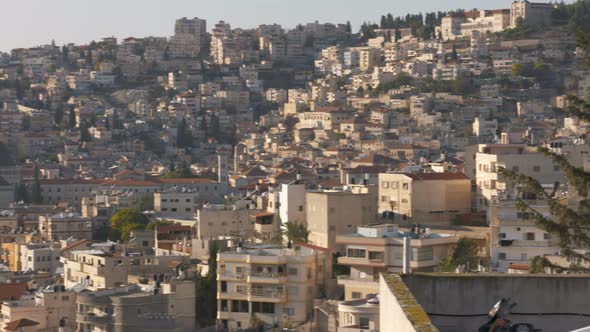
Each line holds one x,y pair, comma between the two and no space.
92,319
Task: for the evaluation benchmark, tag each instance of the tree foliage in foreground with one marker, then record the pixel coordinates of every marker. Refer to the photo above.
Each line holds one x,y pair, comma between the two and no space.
571,224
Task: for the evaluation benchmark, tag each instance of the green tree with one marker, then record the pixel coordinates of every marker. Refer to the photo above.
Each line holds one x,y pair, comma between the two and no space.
184,137
72,118
295,232
116,120
84,134
21,193
398,35
125,221
568,221
206,292
538,264
182,172
464,253
58,116
290,122
5,156
36,196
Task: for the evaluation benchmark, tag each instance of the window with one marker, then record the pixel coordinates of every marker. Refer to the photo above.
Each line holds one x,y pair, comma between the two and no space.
376,256
385,185
292,290
394,185
536,169
292,271
384,198
356,253
422,254
356,295
289,311
364,322
523,215
501,256
529,236
300,208
405,186
546,236
188,200
502,235
239,269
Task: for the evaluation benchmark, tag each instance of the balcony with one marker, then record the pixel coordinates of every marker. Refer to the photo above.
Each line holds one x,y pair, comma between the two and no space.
92,319
355,329
232,295
360,261
231,276
266,278
267,294
369,281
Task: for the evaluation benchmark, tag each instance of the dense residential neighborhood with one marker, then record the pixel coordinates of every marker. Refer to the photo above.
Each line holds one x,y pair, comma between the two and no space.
402,177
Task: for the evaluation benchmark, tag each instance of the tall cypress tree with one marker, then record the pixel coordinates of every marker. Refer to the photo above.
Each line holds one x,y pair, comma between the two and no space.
36,195
72,118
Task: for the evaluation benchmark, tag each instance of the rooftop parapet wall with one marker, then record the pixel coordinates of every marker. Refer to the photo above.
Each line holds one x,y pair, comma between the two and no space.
460,302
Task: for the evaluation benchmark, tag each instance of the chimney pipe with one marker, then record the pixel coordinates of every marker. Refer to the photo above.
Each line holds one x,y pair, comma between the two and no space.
407,251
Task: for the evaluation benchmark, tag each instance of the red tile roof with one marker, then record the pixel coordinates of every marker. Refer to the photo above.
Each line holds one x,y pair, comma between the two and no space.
73,245
186,180
518,266
16,325
311,246
12,290
262,214
437,176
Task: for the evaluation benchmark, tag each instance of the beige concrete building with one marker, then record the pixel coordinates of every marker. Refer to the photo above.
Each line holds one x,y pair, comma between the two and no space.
65,225
330,213
264,287
515,238
52,309
167,306
106,265
369,57
519,158
424,198
224,220
534,13
190,35
379,248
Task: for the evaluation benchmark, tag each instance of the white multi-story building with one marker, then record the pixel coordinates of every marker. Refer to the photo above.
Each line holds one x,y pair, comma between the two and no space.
40,257
519,158
515,238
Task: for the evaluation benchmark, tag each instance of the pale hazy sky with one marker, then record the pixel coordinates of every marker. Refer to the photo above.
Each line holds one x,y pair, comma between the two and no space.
26,23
